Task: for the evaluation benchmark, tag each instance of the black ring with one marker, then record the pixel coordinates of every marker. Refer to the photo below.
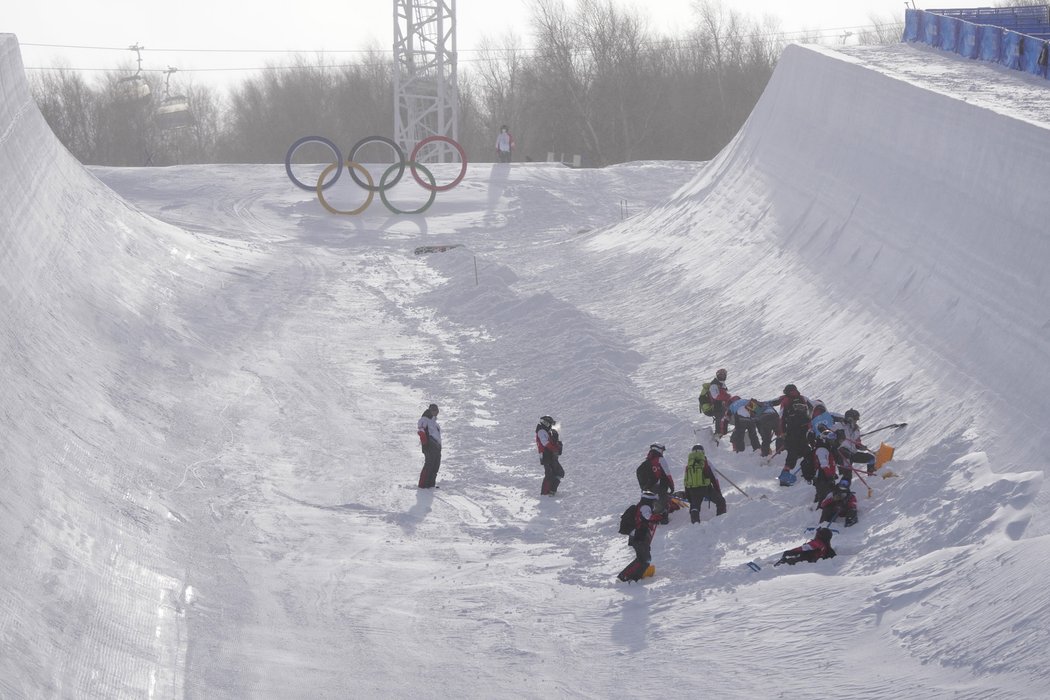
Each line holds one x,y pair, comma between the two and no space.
400,158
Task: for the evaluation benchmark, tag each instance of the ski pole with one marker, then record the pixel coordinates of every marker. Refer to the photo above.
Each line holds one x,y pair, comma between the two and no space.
885,427
731,483
858,472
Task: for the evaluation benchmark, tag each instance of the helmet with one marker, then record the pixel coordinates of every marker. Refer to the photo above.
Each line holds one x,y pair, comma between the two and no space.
698,448
819,407
657,447
648,496
853,414
844,484
790,389
720,375
546,421
824,534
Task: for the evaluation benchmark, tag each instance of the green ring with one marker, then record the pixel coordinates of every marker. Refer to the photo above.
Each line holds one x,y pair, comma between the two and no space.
414,165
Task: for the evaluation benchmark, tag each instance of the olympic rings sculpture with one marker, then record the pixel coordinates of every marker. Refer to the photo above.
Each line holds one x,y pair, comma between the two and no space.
358,171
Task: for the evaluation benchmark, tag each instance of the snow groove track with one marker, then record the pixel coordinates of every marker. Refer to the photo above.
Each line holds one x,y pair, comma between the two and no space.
207,436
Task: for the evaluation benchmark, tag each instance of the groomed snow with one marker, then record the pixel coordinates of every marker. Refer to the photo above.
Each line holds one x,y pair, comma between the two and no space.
211,387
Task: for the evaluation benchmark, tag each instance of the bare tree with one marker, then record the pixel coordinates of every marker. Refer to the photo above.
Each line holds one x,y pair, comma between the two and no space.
71,109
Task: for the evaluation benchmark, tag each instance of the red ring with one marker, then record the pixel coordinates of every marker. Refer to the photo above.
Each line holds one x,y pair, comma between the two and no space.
462,160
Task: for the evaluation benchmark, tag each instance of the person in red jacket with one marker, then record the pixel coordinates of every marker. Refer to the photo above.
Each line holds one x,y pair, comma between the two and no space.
720,398
548,442
813,551
841,501
430,440
646,518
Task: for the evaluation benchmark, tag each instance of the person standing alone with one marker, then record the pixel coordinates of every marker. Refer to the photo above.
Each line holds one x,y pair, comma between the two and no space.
504,144
430,439
548,442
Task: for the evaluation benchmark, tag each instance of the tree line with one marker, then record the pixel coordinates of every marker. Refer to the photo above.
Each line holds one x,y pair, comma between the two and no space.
597,83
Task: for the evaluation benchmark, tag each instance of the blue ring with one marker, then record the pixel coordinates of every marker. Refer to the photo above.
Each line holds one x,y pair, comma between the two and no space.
295,147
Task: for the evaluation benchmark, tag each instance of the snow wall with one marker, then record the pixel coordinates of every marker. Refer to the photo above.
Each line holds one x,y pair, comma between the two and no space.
91,590
908,212
956,224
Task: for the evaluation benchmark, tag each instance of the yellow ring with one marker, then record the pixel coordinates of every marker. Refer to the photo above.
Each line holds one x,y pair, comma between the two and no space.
349,164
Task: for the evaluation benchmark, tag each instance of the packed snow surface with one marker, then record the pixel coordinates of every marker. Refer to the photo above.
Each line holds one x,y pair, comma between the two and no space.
211,389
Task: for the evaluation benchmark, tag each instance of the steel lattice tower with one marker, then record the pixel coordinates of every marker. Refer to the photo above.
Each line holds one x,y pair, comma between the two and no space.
426,96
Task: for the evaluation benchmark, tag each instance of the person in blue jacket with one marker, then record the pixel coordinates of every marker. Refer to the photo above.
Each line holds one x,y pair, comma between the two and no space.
742,413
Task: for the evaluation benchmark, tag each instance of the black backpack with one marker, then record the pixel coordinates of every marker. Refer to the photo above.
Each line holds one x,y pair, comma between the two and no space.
646,478
628,521
797,414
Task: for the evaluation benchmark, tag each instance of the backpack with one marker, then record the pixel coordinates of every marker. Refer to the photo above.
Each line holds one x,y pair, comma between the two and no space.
706,406
797,414
645,475
629,519
694,471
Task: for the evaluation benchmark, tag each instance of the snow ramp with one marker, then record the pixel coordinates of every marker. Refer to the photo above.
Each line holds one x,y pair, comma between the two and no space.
93,293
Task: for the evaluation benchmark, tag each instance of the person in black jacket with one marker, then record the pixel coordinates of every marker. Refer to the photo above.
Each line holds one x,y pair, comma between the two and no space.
646,518
655,476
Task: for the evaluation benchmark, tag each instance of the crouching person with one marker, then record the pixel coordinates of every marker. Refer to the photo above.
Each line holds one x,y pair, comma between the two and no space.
813,551
841,501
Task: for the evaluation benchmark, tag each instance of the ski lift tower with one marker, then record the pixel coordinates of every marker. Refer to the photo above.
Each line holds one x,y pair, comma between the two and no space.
426,96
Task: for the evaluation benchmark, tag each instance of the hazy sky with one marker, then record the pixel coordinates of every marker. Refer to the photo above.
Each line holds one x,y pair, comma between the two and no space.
325,26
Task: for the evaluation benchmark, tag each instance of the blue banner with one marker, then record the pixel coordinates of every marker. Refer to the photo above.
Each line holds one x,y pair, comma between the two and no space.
991,41
983,41
966,46
911,25
1031,50
1010,53
928,26
948,28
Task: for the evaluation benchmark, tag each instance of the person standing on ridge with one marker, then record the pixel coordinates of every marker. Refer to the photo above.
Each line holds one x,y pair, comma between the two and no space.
504,144
549,445
700,483
430,440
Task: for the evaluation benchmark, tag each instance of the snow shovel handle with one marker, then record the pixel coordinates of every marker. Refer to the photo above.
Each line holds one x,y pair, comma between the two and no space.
730,482
885,427
858,472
